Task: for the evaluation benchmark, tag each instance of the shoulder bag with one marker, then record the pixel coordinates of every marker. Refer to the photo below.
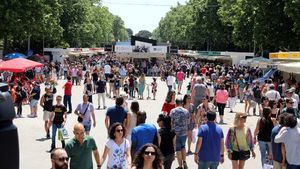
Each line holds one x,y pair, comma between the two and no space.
80,119
243,155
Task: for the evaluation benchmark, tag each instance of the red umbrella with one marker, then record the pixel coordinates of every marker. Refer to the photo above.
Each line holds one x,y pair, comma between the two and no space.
19,65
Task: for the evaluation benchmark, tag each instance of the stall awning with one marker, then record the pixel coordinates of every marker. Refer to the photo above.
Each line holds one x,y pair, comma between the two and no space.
19,65
293,67
285,55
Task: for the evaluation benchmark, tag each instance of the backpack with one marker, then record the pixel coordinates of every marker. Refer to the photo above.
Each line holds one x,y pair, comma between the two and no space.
23,94
54,90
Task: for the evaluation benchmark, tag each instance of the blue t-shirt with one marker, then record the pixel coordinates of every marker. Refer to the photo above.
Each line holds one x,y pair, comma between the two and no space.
276,147
116,114
211,142
143,134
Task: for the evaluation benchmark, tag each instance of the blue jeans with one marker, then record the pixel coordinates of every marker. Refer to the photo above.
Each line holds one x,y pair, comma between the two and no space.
54,129
67,102
208,165
264,150
289,166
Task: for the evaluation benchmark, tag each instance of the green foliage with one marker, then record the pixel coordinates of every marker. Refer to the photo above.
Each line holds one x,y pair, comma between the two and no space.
57,23
129,31
233,25
144,34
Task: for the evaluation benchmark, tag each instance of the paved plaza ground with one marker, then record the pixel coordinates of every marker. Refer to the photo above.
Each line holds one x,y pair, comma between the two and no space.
34,145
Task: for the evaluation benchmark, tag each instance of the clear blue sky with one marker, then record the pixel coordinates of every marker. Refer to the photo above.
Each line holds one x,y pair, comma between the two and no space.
140,14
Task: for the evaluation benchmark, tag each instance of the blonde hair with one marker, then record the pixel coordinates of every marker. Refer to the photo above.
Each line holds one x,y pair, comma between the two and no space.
237,118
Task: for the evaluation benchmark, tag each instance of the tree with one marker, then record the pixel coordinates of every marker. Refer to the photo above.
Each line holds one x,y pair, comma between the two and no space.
118,29
144,34
129,32
18,25
254,22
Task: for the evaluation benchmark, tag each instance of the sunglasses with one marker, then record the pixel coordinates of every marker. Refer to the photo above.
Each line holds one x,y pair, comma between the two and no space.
119,131
149,153
62,159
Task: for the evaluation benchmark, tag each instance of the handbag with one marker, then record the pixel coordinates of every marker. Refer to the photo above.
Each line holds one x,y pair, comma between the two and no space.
243,155
80,119
62,134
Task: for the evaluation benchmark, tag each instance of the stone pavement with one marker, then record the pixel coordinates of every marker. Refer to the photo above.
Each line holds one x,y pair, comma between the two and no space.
34,145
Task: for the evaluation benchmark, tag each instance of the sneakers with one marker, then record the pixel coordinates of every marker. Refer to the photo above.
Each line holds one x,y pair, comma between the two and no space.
221,122
31,116
52,148
185,165
189,153
48,135
104,107
98,108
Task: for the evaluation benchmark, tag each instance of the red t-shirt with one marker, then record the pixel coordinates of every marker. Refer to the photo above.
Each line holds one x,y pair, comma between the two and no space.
68,88
203,71
167,107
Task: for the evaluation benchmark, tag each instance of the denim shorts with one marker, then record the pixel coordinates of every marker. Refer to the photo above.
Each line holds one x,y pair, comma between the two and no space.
33,103
180,142
87,127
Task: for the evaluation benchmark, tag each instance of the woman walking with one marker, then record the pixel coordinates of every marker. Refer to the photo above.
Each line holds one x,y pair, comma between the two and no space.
117,148
149,157
166,140
239,142
248,96
221,99
191,125
141,87
263,131
169,102
132,117
88,89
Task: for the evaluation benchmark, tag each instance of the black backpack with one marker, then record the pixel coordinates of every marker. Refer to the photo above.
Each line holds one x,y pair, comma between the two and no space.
23,94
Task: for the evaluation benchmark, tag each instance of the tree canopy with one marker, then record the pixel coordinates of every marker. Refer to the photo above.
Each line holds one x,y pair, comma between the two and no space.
144,34
59,23
233,25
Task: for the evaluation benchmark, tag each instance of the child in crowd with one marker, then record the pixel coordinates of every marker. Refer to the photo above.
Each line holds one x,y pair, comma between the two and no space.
154,88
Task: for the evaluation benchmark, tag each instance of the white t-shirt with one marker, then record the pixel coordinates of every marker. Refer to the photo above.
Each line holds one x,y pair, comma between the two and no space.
107,69
170,80
117,154
273,95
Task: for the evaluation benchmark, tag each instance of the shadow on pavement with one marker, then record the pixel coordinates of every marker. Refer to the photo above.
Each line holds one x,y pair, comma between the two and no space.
41,139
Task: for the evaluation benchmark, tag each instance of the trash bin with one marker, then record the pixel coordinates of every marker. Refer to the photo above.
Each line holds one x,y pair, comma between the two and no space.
9,142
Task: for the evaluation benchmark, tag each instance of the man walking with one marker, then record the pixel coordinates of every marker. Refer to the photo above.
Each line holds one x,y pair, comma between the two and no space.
180,118
68,93
34,99
142,134
85,111
47,104
80,149
59,159
58,120
101,88
180,78
116,114
210,144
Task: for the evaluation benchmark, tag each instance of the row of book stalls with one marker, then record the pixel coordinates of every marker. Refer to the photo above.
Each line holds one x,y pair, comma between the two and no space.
283,64
288,63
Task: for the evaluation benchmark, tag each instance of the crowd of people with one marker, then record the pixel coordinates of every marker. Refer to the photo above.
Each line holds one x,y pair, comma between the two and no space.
133,143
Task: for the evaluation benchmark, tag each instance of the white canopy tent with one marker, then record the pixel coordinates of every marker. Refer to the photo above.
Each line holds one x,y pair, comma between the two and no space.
293,67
